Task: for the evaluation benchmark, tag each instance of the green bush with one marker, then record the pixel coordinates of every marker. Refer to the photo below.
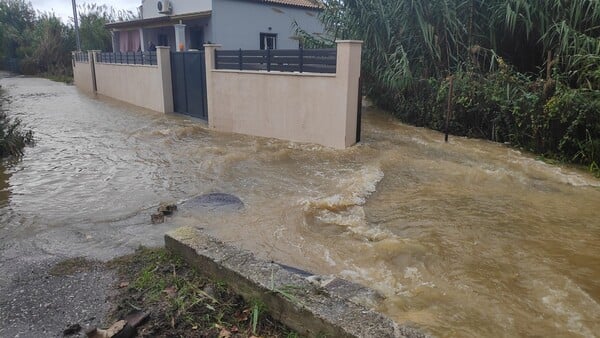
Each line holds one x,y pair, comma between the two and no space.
506,106
13,138
29,66
572,125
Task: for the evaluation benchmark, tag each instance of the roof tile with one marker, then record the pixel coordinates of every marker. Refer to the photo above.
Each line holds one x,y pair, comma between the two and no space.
296,3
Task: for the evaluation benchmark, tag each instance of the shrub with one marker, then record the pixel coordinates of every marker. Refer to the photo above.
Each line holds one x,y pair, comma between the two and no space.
572,125
506,106
13,138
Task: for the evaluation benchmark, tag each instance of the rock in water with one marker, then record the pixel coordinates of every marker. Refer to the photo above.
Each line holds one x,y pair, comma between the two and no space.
214,201
167,208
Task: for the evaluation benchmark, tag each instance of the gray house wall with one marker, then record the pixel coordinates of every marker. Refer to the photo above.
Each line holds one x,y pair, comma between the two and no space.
238,24
150,9
204,24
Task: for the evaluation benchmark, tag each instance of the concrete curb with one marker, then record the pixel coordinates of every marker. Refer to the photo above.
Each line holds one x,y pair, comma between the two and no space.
308,309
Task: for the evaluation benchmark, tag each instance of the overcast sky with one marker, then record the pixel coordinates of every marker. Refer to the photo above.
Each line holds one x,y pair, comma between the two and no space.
64,9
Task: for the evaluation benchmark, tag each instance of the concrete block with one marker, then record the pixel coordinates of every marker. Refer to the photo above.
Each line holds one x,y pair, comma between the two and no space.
309,308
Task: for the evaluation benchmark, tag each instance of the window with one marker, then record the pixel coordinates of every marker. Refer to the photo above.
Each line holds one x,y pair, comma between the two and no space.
268,41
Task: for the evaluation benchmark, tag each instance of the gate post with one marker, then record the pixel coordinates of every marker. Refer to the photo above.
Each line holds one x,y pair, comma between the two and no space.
348,73
92,61
163,60
209,59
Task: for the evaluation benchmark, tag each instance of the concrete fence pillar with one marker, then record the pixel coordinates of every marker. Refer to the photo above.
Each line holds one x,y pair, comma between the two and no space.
92,60
209,59
83,73
348,74
163,60
92,55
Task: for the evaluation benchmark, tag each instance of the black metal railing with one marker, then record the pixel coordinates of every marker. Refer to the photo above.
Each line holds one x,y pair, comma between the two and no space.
129,58
282,60
81,57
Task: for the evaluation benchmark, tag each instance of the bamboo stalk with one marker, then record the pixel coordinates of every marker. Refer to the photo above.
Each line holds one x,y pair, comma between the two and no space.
450,93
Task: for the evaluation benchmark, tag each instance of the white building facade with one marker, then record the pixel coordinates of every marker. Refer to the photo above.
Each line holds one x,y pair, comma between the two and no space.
189,24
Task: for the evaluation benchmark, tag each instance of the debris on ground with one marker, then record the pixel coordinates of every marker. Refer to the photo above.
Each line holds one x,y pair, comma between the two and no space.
124,328
178,301
157,218
167,209
72,329
120,329
164,209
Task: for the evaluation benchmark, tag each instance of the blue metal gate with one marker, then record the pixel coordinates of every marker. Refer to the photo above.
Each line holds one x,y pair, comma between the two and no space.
188,74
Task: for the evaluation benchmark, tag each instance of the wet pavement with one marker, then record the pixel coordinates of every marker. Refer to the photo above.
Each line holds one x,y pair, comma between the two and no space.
36,303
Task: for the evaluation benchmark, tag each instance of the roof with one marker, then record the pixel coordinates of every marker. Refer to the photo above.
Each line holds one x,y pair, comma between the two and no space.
312,4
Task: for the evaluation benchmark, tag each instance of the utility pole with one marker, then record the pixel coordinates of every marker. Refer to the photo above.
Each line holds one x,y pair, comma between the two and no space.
76,26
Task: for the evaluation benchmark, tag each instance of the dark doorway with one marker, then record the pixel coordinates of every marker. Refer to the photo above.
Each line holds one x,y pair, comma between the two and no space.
196,38
188,75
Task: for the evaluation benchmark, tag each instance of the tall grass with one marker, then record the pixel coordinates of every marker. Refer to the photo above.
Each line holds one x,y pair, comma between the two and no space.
13,138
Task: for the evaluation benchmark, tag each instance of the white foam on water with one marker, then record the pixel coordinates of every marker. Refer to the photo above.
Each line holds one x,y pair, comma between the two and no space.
565,301
345,207
418,140
328,259
554,172
574,179
412,273
378,277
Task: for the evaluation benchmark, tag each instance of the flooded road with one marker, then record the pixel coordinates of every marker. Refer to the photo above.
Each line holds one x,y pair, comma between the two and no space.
465,239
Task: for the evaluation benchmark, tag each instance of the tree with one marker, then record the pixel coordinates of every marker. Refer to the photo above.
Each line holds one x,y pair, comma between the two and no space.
52,43
93,18
16,17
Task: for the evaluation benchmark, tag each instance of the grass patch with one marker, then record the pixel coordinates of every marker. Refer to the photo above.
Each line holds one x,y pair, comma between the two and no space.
184,303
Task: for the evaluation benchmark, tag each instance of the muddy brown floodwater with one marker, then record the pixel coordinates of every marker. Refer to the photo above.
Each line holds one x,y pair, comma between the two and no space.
466,239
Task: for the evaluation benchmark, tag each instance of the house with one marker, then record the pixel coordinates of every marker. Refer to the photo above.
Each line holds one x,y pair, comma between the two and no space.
189,24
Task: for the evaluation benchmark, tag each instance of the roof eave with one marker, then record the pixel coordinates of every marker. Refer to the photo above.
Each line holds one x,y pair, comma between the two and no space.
160,20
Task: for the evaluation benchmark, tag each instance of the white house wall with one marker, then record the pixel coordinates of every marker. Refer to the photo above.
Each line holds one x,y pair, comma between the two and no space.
150,9
238,24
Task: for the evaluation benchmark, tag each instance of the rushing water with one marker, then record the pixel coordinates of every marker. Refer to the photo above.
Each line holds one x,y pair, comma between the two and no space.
468,238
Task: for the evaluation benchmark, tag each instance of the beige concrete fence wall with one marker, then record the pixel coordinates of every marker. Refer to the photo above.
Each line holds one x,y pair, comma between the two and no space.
147,86
303,107
141,85
83,74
